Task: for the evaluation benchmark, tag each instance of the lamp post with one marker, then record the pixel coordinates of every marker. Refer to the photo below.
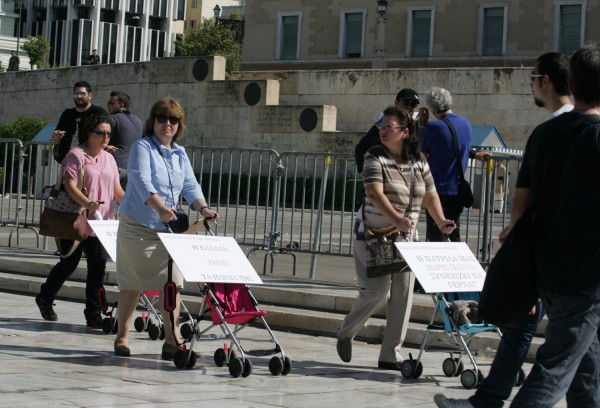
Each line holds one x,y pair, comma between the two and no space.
381,9
19,25
217,11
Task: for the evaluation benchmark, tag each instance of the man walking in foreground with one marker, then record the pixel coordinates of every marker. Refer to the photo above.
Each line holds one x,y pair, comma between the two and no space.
550,89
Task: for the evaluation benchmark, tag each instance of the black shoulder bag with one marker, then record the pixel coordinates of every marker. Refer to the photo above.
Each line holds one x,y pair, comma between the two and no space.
465,194
510,289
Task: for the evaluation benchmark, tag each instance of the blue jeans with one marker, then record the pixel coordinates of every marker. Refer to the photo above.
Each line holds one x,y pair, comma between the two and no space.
569,361
511,354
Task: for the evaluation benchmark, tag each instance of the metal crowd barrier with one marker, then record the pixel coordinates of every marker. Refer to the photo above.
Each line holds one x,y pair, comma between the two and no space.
287,203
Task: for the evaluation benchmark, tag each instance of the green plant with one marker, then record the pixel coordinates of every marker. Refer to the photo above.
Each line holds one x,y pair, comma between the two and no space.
22,128
37,48
210,39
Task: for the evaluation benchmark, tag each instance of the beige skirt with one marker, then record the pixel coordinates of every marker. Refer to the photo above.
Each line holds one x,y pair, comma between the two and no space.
142,259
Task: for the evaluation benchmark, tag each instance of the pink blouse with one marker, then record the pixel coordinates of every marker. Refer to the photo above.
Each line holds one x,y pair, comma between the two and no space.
100,177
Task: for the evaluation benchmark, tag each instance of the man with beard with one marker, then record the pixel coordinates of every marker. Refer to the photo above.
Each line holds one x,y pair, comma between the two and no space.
550,89
66,134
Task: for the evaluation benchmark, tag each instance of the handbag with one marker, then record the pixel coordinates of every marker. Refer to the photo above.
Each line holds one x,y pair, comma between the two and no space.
382,255
181,224
509,290
62,217
465,193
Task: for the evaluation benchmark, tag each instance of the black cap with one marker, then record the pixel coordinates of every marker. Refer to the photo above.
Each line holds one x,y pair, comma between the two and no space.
408,93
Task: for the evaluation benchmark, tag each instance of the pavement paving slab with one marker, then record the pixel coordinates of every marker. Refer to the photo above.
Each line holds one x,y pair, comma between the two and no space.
63,363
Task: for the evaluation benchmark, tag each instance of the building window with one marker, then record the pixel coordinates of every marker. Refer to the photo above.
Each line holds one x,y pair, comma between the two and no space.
493,30
194,3
288,40
351,34
420,32
569,16
192,24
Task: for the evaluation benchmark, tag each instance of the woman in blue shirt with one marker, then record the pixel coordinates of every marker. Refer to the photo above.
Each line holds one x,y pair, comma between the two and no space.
159,171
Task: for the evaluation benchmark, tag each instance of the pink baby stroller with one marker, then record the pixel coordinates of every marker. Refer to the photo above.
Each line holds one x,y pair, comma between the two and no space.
232,307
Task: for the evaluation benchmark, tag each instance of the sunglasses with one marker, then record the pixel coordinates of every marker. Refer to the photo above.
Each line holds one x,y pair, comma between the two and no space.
411,103
173,120
102,134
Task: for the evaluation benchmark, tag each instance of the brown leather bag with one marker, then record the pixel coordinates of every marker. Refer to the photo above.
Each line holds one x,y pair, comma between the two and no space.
62,217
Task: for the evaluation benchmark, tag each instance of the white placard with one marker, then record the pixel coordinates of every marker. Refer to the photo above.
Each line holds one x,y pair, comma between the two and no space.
204,258
106,231
443,266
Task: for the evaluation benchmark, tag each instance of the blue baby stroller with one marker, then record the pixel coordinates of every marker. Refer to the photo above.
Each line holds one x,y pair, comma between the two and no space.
457,321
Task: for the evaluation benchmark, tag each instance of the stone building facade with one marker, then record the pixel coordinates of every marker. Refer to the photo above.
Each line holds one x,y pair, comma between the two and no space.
339,34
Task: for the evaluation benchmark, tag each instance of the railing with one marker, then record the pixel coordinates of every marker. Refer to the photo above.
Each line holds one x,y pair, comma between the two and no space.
286,203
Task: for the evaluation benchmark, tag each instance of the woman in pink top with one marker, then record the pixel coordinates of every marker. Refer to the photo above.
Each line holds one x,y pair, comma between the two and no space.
101,179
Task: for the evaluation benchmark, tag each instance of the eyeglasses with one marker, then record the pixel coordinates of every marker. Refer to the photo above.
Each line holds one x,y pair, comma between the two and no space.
79,94
102,134
173,120
387,127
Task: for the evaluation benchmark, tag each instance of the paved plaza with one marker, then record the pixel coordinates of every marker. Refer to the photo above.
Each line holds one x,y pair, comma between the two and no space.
63,363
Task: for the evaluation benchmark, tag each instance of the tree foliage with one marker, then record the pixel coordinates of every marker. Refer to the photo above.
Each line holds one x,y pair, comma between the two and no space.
209,39
22,128
37,48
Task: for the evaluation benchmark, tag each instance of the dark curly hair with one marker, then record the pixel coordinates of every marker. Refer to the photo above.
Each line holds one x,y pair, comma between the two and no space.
410,147
90,124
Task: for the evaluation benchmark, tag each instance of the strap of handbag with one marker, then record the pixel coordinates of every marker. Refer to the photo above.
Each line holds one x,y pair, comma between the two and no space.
168,174
80,180
388,230
170,288
456,152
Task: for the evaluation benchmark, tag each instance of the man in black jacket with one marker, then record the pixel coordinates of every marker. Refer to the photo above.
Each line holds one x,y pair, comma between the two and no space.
66,134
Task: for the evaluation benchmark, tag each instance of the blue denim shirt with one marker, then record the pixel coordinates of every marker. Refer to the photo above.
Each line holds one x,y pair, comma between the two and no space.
148,173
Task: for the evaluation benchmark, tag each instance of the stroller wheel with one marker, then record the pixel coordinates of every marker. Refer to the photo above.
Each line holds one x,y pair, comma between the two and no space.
450,367
107,325
470,379
115,327
461,367
180,359
138,323
187,331
161,332
153,332
275,365
192,361
287,366
247,368
220,357
236,367
520,378
149,323
410,369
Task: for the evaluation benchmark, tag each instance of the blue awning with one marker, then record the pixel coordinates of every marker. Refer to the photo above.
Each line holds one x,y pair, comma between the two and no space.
486,136
45,135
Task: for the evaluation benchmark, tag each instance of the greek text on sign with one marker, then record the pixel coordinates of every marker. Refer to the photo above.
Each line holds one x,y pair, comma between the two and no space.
106,231
204,258
443,266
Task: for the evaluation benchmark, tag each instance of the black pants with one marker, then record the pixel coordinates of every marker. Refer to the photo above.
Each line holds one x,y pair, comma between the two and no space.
452,210
96,257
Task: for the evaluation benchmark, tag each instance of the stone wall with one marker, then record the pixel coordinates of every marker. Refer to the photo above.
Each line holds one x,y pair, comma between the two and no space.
286,111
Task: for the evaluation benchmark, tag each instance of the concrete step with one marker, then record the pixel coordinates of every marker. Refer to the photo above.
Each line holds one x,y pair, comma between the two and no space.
291,305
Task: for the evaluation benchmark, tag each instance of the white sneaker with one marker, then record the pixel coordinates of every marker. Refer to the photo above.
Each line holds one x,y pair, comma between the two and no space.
443,402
